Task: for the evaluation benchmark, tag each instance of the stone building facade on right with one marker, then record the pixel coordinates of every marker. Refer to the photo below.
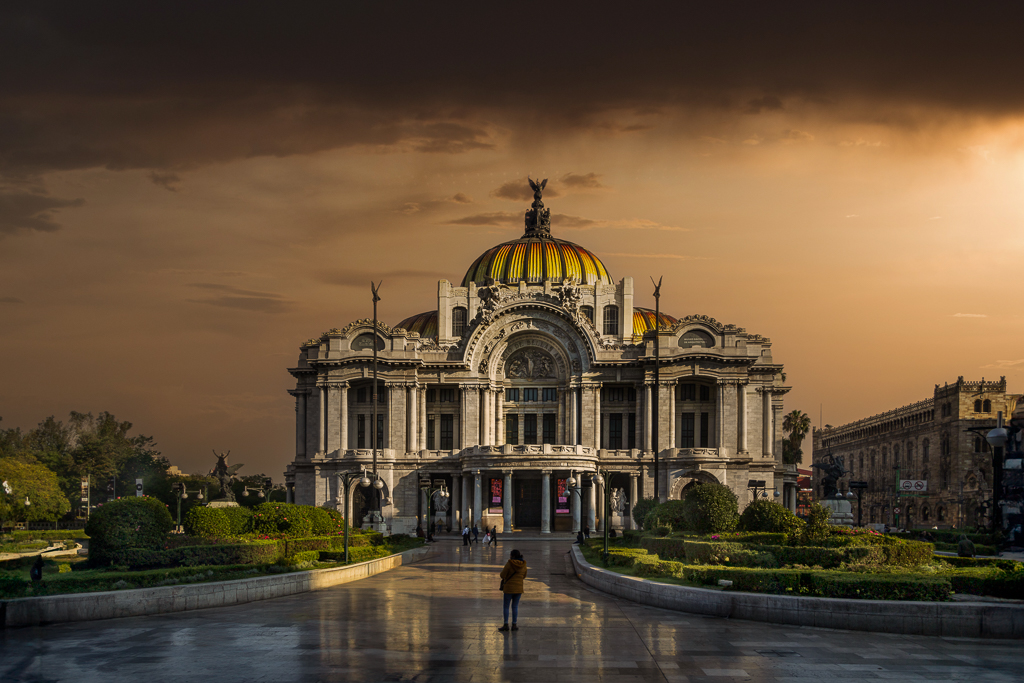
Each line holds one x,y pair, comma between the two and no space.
928,440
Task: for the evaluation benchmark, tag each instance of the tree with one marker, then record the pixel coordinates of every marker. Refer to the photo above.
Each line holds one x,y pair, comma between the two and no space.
797,424
30,480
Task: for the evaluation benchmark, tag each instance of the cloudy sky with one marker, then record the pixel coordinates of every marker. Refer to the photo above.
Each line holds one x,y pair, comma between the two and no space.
188,193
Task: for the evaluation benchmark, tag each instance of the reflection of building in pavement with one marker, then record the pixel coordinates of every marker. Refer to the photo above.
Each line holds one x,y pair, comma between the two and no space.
930,442
537,365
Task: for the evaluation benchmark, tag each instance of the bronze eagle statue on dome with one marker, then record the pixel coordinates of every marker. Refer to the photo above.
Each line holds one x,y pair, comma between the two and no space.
537,187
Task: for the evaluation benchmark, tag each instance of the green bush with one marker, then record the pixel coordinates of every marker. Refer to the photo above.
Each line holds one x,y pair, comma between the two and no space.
325,522
295,521
749,538
256,552
669,513
623,557
207,522
1006,565
303,557
817,528
137,522
640,510
710,508
732,554
51,535
978,549
768,516
239,520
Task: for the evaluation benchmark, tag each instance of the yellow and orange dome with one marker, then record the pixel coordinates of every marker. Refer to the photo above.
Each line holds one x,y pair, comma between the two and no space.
643,321
423,324
534,260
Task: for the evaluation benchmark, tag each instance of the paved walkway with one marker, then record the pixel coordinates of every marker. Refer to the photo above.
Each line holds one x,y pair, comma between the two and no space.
437,620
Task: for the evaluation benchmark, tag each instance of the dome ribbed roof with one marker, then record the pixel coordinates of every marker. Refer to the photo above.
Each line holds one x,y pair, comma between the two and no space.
423,324
536,259
643,321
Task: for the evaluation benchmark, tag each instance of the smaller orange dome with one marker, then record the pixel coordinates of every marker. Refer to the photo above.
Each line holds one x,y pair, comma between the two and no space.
643,321
423,324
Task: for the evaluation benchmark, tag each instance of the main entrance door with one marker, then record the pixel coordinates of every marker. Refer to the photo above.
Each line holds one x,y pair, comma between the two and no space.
527,502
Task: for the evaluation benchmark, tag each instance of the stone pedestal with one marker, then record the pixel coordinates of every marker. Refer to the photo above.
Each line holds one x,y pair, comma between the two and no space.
222,504
842,511
374,521
619,521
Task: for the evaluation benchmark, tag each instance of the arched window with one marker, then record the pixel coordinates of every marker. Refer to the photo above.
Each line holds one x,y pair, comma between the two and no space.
458,321
977,444
977,406
588,312
944,461
860,467
910,457
611,319
872,460
895,455
925,514
987,406
885,456
942,514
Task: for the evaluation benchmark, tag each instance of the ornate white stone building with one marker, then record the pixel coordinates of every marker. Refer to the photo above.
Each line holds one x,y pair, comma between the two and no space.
538,365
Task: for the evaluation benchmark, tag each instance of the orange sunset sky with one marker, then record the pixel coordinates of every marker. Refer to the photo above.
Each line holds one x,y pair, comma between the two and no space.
189,193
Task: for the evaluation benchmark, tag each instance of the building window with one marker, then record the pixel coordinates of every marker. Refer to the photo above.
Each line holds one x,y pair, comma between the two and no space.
360,430
512,429
618,394
380,433
895,456
430,434
942,514
448,395
530,428
705,427
977,406
458,321
632,431
687,392
529,395
686,431
447,432
361,395
925,447
611,319
705,393
549,428
431,395
588,313
512,395
860,466
615,431
549,395
987,406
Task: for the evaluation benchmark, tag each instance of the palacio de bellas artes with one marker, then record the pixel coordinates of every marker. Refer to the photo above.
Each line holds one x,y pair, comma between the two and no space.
534,370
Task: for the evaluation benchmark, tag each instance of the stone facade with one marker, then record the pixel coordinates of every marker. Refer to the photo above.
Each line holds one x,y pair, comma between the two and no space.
537,368
928,440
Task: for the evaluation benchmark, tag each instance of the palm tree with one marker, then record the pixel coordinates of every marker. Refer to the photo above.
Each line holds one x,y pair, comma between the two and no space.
797,423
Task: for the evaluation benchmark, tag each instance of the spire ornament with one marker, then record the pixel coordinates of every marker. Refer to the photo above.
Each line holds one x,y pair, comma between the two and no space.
538,219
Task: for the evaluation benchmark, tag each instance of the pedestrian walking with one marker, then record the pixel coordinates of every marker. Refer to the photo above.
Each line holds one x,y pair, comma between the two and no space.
494,535
465,536
476,534
586,531
513,577
487,538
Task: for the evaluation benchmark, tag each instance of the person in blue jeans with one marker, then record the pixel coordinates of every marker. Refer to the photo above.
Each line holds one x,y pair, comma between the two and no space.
513,578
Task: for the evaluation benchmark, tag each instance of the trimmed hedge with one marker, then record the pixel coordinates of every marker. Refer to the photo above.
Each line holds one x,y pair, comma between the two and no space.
710,508
768,516
989,581
50,535
733,554
304,557
136,522
257,552
1007,565
978,549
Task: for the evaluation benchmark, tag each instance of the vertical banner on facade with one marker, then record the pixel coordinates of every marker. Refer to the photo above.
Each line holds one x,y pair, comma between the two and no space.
138,488
495,499
83,510
562,500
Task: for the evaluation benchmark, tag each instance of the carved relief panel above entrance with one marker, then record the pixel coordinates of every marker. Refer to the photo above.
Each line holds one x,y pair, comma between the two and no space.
530,364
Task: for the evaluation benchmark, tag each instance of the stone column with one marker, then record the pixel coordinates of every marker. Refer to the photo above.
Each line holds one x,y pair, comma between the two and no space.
599,511
672,412
633,500
573,420
289,492
592,507
343,420
320,445
424,515
456,502
499,418
506,502
741,400
300,425
545,501
332,433
648,411
560,432
719,441
766,438
489,416
477,498
575,503
597,416
463,412
467,514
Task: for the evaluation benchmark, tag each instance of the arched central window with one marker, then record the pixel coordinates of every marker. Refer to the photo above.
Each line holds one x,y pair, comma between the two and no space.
611,319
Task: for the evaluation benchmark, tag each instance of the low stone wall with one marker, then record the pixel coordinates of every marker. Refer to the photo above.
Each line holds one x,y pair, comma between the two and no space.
53,609
954,619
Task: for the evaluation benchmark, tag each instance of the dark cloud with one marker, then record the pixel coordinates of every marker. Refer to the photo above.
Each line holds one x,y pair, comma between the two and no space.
519,190
20,211
588,181
460,198
766,103
11,300
227,296
145,85
166,180
562,220
495,218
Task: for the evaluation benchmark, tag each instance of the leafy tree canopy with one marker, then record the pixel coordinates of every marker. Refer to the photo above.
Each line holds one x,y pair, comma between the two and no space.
34,482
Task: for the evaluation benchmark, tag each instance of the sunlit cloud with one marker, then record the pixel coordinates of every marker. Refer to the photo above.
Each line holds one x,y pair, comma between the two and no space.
227,296
969,315
1006,364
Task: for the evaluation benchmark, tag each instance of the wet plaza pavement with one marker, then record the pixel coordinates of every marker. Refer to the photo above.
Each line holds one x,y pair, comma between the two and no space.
437,620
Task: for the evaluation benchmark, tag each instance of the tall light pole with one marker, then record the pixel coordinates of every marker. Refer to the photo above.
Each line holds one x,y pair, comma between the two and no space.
364,481
373,429
657,386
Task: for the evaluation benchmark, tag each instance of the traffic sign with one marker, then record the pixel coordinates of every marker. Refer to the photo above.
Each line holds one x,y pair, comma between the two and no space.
917,485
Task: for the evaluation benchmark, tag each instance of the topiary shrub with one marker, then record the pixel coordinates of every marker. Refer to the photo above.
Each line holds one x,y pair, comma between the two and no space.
239,520
138,522
817,528
770,517
669,513
710,508
205,522
640,510
326,522
282,518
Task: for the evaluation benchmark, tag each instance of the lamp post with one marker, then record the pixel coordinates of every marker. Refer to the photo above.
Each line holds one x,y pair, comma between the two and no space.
261,491
657,388
759,488
860,487
430,491
364,481
373,430
181,491
598,480
572,486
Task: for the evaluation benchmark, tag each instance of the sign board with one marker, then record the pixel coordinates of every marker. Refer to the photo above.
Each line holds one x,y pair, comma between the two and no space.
915,485
896,511
138,488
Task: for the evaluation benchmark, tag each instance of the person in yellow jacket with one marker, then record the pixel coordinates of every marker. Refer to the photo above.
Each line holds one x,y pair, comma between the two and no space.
512,579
